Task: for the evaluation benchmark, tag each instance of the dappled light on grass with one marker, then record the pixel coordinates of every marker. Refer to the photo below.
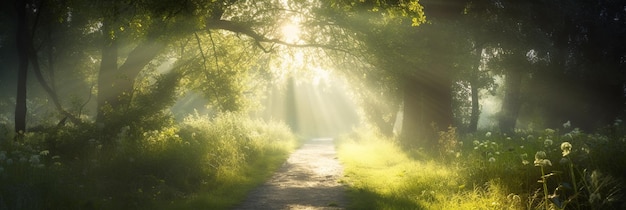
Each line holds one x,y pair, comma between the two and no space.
382,176
571,170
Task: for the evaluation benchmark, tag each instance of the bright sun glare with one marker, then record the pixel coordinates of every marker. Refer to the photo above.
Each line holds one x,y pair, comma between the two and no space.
291,31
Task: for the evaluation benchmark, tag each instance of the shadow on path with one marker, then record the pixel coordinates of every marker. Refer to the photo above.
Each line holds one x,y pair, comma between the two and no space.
309,179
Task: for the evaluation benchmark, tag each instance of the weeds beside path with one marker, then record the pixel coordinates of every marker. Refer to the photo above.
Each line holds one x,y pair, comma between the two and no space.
309,179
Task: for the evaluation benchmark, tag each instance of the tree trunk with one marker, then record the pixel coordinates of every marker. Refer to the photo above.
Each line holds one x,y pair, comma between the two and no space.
116,85
475,115
427,109
511,103
22,37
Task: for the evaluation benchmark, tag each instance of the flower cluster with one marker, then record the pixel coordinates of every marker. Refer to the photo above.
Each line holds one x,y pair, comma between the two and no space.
490,148
34,159
541,159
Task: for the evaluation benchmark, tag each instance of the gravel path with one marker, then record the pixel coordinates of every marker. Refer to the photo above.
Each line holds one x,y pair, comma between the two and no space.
308,180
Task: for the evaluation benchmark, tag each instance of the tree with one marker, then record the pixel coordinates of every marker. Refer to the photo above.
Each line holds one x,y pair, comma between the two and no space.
413,61
22,36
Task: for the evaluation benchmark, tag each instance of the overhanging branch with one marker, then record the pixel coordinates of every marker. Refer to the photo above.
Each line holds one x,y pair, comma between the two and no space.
242,28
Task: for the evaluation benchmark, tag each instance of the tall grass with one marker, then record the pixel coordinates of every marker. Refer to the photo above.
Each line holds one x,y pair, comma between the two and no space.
201,163
487,171
382,176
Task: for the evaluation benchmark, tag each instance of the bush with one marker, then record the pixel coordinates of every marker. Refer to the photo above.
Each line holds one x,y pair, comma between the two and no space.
141,167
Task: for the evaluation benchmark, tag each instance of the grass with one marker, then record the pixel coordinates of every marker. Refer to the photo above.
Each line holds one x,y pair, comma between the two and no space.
233,188
201,163
480,172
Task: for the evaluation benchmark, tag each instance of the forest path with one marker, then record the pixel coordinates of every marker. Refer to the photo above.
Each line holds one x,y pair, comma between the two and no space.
309,179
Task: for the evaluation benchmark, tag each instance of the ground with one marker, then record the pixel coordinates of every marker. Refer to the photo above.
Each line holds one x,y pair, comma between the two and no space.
309,179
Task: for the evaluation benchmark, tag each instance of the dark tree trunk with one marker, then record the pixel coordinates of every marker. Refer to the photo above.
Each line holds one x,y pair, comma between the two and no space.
22,38
427,109
512,102
116,85
475,115
106,75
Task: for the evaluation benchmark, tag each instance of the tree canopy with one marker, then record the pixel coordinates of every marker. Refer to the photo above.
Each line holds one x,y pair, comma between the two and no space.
428,60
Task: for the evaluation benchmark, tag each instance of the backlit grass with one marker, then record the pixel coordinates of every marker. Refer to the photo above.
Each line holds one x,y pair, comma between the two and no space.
546,169
382,176
201,163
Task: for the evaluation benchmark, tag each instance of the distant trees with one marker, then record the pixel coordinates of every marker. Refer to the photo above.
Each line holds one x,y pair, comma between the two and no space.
560,60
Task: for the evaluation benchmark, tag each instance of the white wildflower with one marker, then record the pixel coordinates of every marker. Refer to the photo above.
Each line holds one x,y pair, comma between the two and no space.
476,142
566,147
44,152
567,124
540,155
488,134
543,162
540,159
34,159
492,160
548,142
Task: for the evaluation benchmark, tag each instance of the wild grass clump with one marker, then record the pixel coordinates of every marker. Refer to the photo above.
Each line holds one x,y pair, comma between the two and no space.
201,163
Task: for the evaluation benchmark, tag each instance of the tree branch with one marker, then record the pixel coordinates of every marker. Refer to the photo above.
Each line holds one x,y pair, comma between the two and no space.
242,28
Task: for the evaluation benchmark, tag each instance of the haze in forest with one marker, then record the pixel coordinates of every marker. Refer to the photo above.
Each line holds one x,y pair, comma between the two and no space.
142,79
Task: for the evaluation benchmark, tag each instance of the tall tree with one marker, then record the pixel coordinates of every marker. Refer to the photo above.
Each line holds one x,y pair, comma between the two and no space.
22,36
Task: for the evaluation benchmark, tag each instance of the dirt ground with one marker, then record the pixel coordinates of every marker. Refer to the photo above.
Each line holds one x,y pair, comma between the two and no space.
309,179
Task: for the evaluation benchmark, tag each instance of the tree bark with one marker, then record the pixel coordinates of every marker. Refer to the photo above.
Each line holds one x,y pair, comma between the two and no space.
116,85
22,37
475,115
511,103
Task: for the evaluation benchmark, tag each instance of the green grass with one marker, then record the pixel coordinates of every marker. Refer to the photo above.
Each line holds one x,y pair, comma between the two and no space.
382,176
233,188
201,163
482,172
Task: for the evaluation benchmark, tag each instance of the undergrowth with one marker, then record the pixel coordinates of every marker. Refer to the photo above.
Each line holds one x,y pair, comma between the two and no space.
547,169
201,163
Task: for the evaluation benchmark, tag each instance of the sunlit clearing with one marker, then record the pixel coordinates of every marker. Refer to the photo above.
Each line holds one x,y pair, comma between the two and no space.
312,108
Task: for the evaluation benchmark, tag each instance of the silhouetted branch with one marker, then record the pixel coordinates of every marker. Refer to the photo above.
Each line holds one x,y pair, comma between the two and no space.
242,28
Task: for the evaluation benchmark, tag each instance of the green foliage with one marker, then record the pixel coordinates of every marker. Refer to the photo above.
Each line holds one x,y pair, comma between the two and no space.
572,170
382,176
197,162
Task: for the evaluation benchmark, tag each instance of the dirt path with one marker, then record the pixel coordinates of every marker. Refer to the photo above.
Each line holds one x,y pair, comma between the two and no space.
308,180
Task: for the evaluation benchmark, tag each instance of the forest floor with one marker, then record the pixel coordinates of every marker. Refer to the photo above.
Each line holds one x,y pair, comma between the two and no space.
309,179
